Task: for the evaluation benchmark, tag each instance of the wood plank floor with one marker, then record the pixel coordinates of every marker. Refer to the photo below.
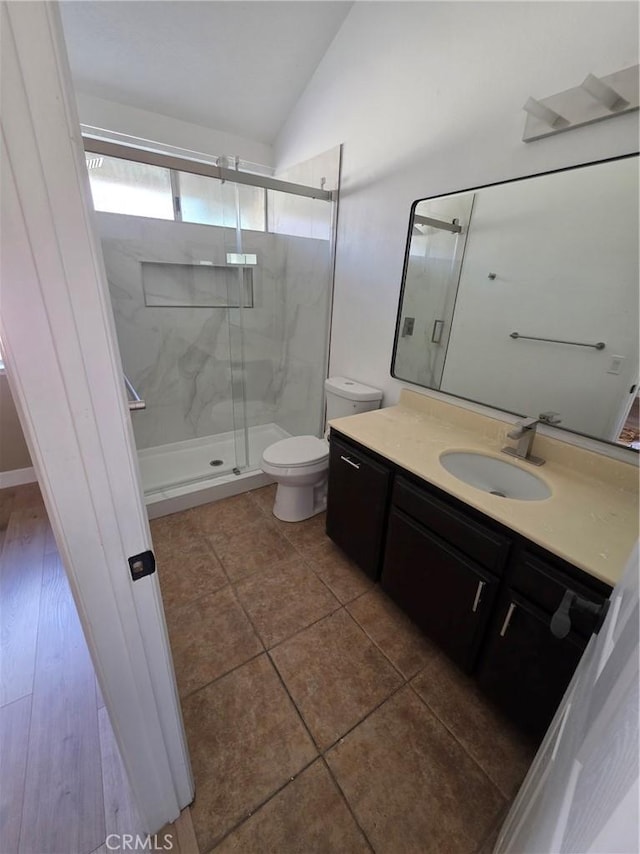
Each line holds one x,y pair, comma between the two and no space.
63,787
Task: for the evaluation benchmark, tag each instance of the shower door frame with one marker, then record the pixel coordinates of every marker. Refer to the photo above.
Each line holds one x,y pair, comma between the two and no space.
108,144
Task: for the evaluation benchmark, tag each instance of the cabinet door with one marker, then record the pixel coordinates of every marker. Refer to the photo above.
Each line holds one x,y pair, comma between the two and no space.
445,593
357,505
524,668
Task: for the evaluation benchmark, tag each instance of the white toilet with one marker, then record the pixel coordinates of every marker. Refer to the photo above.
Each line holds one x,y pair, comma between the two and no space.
300,464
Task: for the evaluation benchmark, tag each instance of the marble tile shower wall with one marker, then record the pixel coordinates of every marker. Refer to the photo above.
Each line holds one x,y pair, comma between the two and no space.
179,358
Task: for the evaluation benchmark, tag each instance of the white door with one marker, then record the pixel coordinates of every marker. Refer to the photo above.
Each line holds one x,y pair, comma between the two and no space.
66,378
581,793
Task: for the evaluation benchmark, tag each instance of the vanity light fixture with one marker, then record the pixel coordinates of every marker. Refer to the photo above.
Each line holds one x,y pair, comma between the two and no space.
595,99
545,114
599,90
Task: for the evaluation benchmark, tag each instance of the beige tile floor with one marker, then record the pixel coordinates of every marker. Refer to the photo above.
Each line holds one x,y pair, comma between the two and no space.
319,718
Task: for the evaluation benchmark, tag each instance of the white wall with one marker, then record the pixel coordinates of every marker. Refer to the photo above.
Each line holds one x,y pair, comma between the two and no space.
131,121
427,98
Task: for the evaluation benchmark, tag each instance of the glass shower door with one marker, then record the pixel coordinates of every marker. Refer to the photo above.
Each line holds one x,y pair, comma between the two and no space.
221,294
228,206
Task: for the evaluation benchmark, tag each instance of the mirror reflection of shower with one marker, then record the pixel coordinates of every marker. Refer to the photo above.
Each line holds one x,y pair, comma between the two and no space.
434,263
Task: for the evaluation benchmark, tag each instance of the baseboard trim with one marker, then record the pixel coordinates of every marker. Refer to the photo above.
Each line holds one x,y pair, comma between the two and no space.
17,477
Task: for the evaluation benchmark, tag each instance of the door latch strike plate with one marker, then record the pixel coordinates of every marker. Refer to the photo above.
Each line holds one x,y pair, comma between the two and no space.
142,564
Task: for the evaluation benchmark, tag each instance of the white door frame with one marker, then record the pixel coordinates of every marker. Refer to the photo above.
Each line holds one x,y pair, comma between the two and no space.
65,373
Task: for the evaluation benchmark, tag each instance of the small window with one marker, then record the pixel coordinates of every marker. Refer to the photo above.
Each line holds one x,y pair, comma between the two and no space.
126,187
213,202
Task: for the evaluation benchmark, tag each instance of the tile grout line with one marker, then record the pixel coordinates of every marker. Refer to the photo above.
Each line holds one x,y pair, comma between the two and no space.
294,704
336,743
304,628
265,649
309,564
221,676
321,753
406,679
235,583
323,759
320,756
261,804
458,742
268,517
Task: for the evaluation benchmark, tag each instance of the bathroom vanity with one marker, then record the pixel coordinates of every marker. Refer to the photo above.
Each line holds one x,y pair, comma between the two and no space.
483,575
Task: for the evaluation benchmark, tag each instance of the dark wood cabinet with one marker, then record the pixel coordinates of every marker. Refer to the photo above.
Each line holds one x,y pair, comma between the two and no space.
449,596
357,504
483,593
524,668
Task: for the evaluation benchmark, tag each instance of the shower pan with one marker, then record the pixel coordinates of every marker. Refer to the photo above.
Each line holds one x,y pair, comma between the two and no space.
220,281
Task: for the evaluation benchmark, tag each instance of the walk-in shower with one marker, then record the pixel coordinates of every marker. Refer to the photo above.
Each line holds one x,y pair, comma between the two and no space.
220,281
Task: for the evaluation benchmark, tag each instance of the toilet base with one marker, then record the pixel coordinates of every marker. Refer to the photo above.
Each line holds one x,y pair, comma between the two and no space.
296,503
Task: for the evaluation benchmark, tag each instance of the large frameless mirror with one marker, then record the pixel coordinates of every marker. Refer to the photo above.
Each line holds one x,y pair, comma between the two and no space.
524,296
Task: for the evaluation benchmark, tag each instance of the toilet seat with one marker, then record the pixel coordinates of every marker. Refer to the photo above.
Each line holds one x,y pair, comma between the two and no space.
296,452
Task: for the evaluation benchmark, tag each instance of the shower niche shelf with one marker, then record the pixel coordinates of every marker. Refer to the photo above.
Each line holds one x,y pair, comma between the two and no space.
180,285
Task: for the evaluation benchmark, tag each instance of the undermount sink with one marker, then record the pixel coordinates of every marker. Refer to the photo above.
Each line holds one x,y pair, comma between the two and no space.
498,477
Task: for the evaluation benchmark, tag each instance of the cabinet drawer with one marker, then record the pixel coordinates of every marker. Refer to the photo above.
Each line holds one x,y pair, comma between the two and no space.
486,547
545,585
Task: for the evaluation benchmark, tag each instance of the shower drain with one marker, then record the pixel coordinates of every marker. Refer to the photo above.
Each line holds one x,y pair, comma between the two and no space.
216,462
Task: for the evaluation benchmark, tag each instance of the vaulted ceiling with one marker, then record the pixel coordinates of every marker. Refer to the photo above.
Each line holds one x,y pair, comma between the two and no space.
234,66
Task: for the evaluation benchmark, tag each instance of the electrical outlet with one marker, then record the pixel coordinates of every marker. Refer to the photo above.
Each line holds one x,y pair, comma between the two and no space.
615,366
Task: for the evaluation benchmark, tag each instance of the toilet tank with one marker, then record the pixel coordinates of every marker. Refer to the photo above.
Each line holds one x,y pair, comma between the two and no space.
347,397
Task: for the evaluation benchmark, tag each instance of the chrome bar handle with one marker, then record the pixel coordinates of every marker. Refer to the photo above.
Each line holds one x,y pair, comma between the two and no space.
507,620
476,601
134,399
351,462
436,332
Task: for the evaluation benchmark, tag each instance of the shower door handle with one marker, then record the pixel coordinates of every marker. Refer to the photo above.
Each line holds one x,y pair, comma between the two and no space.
436,332
133,398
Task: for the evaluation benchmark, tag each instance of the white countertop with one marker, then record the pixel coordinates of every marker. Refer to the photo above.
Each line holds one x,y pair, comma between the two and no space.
591,517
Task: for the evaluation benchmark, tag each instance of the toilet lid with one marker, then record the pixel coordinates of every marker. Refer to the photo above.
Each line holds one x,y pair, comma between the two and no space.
296,451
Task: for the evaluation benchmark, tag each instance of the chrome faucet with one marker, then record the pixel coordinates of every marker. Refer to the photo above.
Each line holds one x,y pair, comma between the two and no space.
525,431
